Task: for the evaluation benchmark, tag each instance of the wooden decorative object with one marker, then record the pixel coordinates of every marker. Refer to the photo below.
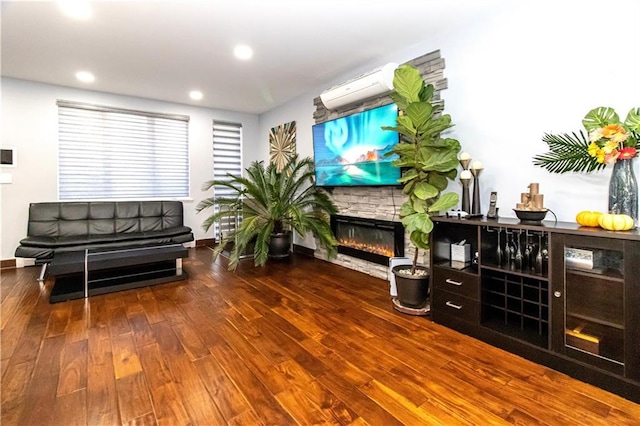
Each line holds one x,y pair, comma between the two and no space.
584,341
282,144
532,200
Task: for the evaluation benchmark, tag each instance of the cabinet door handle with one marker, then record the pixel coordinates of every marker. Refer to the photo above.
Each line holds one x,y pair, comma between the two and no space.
453,305
452,282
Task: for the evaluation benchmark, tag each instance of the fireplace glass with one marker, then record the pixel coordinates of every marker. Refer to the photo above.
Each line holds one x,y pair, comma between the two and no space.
369,239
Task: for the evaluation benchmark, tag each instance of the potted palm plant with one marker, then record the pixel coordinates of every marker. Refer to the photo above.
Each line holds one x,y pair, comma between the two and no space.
271,203
428,162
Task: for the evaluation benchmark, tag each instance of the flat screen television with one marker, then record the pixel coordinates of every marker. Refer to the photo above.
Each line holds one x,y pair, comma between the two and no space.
349,151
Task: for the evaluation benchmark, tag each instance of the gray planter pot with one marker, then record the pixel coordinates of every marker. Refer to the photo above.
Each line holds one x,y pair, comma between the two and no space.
280,245
413,290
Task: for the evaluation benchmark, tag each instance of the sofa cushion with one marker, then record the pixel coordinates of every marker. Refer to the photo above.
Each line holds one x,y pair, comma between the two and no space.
75,240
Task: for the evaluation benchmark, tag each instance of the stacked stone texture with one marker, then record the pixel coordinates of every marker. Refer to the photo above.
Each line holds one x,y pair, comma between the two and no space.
377,202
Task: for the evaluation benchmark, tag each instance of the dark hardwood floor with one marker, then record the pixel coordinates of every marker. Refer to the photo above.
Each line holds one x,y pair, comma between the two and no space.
297,342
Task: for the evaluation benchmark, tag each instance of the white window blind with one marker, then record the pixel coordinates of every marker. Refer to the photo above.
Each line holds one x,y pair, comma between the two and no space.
227,158
112,153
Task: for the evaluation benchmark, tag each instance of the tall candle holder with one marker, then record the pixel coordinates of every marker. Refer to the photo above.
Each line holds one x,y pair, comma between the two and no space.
465,160
465,179
476,169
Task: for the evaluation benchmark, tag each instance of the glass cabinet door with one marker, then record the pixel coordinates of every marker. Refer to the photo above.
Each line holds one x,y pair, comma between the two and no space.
594,314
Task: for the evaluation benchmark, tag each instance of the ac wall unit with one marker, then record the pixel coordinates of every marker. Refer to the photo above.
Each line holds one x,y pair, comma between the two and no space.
373,83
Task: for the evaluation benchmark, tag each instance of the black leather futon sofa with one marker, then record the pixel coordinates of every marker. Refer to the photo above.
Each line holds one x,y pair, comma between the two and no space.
72,226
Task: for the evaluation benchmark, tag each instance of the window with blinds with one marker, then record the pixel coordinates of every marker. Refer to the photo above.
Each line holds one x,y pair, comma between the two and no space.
112,153
227,158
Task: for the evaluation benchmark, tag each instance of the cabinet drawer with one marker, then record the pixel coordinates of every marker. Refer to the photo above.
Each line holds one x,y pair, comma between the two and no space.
454,305
458,282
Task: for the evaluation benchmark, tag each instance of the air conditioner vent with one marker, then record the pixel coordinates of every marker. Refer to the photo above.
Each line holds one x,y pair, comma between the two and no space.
367,85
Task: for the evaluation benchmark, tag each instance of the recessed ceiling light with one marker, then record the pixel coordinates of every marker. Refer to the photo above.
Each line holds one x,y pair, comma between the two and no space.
243,52
77,9
196,95
85,76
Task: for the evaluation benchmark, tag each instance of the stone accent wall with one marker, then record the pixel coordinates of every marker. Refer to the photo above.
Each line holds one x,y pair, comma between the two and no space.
377,202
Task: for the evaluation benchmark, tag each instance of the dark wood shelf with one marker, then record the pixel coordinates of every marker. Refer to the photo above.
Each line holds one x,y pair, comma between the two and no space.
596,320
514,272
518,298
470,269
516,330
607,274
551,226
510,311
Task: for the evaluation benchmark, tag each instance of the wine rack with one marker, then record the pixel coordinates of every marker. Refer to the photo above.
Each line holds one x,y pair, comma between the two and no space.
516,305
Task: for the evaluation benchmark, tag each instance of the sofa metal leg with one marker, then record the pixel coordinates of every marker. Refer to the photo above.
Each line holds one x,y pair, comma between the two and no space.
43,272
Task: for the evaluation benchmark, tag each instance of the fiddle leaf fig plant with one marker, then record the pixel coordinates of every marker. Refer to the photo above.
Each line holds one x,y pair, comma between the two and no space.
427,159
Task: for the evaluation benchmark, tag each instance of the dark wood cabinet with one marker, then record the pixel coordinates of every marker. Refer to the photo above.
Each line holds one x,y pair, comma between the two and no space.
561,295
598,324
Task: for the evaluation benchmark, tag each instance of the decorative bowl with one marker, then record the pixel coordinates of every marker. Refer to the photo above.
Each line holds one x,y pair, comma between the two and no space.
531,216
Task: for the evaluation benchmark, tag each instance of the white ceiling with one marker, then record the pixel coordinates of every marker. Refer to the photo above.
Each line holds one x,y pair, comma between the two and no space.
163,49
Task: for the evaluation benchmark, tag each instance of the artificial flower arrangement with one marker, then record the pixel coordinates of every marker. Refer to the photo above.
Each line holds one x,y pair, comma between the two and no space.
608,140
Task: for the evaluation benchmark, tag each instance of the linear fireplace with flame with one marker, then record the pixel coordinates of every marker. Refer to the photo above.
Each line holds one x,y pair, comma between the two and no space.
369,239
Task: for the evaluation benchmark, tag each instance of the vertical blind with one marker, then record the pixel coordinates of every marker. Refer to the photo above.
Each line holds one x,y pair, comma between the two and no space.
227,158
112,153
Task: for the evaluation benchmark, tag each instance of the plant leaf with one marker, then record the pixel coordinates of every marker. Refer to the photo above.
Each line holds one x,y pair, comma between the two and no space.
406,209
599,117
408,175
567,153
405,123
418,114
633,120
426,94
439,160
420,206
424,223
425,191
445,202
418,239
432,129
400,129
439,180
420,222
408,83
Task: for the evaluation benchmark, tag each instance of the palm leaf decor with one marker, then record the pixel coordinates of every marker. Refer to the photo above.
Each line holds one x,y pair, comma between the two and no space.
567,154
271,202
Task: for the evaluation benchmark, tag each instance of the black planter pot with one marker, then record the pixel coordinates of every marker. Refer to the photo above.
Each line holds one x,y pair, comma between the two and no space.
413,290
280,245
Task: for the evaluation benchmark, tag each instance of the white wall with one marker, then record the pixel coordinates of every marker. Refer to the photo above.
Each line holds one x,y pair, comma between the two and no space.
516,73
30,122
539,68
301,111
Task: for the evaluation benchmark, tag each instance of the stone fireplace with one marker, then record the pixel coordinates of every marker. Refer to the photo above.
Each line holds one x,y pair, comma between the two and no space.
376,203
369,203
